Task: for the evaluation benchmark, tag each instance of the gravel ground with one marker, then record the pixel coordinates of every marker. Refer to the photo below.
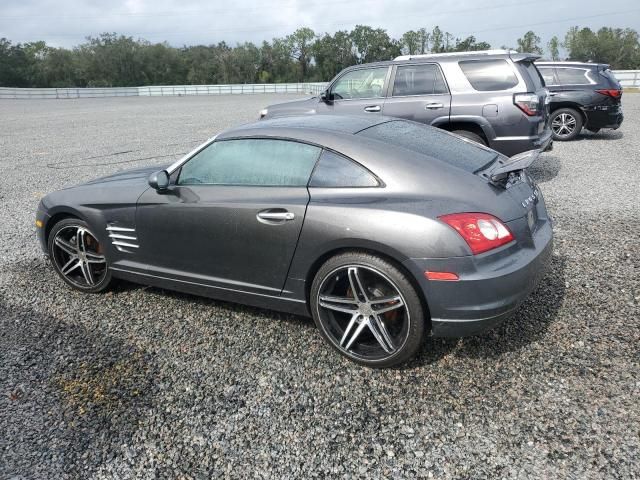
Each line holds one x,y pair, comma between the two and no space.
146,383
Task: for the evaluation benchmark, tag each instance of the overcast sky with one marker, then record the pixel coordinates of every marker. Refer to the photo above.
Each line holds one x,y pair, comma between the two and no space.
67,22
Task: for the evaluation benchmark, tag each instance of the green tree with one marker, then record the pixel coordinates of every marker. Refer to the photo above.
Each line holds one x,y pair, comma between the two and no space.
554,48
372,45
529,43
411,43
332,53
470,44
437,40
300,45
616,46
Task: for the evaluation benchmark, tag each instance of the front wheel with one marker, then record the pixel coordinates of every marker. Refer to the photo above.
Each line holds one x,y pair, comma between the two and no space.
566,124
78,256
368,310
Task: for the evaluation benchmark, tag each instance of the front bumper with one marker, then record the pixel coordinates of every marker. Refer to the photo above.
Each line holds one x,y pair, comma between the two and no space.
491,286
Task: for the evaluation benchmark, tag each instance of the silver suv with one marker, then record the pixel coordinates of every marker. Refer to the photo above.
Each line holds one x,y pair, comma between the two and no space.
494,97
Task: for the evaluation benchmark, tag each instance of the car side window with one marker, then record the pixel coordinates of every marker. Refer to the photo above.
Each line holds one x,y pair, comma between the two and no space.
547,74
335,170
572,76
418,80
251,162
361,83
489,75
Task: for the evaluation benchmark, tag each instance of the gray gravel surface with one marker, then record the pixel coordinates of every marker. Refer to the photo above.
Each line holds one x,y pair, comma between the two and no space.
145,383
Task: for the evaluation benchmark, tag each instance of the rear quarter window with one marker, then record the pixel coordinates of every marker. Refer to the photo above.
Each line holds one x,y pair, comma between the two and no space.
530,70
489,75
334,170
572,76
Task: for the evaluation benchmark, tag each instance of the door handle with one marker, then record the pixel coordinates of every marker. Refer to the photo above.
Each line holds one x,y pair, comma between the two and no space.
271,216
372,108
433,106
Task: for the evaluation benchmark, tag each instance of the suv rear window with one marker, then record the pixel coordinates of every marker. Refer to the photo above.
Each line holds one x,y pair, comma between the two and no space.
489,75
433,142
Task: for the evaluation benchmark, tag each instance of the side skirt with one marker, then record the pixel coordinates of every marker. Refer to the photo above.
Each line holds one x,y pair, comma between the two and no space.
281,304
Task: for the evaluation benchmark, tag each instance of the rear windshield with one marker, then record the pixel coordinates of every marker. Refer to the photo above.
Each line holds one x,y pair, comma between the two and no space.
608,74
433,142
489,75
533,73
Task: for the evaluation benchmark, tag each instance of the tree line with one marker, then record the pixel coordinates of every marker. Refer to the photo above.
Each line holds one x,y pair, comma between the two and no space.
111,60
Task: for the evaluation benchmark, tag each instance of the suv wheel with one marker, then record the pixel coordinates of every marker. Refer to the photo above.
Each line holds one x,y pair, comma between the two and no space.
474,137
566,124
367,309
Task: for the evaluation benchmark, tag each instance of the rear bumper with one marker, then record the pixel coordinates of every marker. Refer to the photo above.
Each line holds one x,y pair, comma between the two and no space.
489,290
604,118
513,145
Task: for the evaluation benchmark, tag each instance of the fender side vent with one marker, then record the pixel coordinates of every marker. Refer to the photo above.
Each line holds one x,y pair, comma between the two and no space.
124,239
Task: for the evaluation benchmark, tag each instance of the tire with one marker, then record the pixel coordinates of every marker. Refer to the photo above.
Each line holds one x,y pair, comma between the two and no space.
78,257
352,327
566,124
474,137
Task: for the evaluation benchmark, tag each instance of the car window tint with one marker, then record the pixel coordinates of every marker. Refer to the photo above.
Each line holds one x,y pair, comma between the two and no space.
433,142
418,80
609,75
489,75
362,83
531,70
334,170
547,74
257,162
572,76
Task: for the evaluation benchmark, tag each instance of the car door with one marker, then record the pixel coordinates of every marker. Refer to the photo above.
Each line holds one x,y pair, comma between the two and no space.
419,93
359,91
232,217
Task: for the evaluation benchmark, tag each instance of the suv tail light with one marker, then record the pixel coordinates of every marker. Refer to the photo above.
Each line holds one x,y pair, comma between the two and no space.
481,231
610,93
527,102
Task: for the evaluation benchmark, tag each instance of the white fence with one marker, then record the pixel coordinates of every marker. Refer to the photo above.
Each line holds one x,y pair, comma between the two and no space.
628,78
169,90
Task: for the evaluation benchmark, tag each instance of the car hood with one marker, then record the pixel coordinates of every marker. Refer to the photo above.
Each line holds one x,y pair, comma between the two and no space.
134,175
306,106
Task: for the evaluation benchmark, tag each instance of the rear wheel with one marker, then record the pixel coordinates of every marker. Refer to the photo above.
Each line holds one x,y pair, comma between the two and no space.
367,309
566,124
471,136
77,256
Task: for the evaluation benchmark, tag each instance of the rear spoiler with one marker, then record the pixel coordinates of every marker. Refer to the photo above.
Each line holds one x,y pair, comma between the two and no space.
499,171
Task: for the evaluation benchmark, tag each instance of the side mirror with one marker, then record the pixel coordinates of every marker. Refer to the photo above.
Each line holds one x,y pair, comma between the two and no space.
159,180
324,96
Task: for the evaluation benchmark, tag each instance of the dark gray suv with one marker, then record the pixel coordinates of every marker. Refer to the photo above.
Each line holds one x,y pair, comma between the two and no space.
493,97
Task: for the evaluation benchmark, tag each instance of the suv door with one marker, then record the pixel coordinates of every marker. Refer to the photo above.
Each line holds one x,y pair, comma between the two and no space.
233,217
357,91
419,93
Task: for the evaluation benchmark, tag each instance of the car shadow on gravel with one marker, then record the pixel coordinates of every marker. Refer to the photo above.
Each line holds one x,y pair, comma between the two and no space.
70,398
528,324
601,135
545,168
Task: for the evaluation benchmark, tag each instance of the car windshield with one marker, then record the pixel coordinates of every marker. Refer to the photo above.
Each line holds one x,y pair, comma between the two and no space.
433,142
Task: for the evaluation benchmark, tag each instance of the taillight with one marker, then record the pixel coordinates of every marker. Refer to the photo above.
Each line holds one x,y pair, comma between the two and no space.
610,93
481,231
527,102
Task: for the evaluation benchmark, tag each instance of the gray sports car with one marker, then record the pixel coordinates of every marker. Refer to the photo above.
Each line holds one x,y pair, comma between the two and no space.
383,230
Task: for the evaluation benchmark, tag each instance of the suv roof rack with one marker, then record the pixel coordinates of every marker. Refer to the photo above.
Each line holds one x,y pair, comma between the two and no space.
455,54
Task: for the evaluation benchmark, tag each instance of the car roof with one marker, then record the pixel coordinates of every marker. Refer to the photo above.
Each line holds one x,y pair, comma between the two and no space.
349,124
568,63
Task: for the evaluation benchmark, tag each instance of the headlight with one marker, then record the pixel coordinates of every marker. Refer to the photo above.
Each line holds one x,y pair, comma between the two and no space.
263,112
